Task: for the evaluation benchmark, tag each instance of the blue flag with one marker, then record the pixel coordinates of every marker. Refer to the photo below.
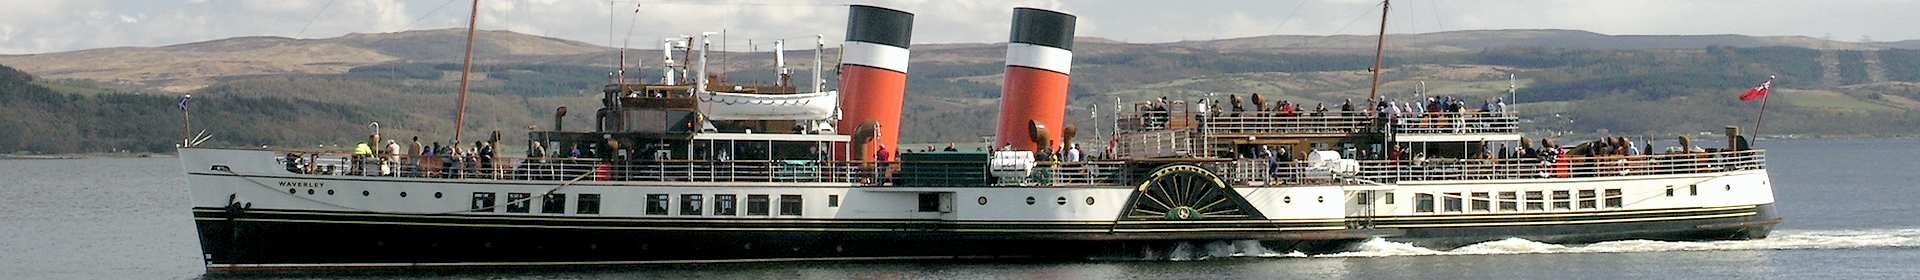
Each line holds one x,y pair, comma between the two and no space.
183,102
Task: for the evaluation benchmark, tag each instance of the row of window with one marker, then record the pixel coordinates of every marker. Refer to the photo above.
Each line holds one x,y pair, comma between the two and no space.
1514,201
586,203
727,204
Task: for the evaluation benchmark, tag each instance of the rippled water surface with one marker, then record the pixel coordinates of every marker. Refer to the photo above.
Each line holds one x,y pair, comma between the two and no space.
1852,210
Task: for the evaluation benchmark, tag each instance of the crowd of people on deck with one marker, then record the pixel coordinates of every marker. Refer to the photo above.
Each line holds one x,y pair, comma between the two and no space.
1156,112
417,160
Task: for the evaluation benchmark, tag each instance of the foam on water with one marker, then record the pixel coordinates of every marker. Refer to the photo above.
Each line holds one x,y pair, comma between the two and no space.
1781,240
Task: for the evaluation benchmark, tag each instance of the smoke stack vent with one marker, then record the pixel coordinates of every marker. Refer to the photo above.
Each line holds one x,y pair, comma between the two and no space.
1039,58
873,79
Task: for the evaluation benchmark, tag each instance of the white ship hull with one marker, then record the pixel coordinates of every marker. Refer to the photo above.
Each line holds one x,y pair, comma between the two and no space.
253,216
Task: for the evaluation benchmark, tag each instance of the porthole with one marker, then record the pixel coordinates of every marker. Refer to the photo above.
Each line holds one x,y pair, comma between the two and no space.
292,191
309,191
982,200
1029,200
1089,200
1286,199
436,195
1060,201
366,193
1321,199
1729,187
403,194
329,192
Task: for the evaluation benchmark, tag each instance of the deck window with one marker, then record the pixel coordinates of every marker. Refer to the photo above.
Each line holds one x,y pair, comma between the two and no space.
1362,198
589,204
1509,201
1480,202
1613,198
723,205
482,202
690,204
1669,191
1693,189
1589,200
1423,203
657,204
519,202
833,200
1536,201
757,205
1562,200
930,202
1451,202
790,205
1389,198
553,203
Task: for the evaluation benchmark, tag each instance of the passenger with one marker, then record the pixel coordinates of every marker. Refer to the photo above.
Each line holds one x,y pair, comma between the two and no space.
1288,110
292,162
880,157
1234,100
1346,108
387,168
950,148
1320,109
486,157
1074,154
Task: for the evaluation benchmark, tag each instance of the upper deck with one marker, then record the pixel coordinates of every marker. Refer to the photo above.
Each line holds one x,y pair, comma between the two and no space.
1332,124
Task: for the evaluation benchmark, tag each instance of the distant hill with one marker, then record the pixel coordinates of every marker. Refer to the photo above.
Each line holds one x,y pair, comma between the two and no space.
187,67
1477,40
306,92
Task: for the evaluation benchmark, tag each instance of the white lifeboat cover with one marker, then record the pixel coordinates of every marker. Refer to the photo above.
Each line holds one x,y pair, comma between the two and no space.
1011,164
728,106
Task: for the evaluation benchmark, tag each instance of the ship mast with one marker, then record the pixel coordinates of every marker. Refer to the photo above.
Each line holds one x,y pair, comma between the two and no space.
460,115
1379,50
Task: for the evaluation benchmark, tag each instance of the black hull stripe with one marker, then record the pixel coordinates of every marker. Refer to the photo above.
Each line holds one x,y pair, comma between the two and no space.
222,267
212,212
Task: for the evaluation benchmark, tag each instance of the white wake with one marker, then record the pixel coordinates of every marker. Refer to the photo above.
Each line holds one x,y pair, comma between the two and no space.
1780,240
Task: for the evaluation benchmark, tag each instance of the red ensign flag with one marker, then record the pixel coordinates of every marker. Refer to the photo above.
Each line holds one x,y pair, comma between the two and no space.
1758,93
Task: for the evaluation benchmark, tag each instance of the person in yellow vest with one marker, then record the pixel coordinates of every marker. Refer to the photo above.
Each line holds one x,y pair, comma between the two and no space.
361,152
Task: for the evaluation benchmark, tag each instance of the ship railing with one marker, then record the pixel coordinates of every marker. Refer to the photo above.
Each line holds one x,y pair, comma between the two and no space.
1457,123
1231,124
977,174
1262,172
561,169
1155,144
1044,174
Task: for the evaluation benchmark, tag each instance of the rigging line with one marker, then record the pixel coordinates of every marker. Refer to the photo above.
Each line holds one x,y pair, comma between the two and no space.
1438,23
1356,19
435,10
316,17
1295,11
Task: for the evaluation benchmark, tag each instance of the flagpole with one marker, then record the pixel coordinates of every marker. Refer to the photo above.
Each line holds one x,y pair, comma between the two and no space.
186,124
1763,113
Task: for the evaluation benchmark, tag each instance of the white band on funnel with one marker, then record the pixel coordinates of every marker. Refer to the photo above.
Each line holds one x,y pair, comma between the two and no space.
875,55
1040,57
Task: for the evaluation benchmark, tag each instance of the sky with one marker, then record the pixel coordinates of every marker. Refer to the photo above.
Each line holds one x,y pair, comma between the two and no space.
39,26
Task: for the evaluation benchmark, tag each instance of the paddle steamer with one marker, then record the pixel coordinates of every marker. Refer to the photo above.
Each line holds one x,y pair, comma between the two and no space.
689,169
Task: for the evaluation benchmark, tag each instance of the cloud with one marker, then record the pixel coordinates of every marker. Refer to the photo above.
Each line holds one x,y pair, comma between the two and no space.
28,26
